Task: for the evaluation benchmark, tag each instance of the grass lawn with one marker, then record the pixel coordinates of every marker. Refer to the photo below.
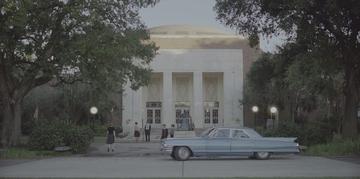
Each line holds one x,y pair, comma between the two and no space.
23,153
215,178
336,148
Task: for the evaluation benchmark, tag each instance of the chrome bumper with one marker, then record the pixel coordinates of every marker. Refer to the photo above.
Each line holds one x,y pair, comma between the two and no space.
166,148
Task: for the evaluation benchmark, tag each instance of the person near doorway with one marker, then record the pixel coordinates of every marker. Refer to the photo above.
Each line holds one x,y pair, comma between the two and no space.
110,137
172,131
164,132
136,132
147,131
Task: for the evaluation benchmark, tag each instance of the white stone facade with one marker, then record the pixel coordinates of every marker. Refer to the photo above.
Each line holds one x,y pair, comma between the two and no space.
203,83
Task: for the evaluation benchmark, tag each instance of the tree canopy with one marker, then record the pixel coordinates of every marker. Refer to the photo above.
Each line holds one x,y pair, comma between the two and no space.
99,42
324,33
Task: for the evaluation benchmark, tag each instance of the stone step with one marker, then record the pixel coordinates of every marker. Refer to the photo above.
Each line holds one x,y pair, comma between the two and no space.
184,134
156,134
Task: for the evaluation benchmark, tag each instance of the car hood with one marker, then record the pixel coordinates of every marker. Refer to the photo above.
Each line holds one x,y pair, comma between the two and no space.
177,140
283,139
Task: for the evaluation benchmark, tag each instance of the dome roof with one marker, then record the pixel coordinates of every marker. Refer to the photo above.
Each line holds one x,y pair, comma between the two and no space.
185,30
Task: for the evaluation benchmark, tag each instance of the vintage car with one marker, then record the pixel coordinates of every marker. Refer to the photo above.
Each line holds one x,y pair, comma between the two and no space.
228,142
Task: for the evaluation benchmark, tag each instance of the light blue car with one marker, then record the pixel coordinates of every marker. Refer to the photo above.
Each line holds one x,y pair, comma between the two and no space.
228,142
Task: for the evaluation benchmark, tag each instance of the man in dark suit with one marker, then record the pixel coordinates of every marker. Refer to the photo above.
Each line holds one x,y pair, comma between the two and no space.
164,132
147,132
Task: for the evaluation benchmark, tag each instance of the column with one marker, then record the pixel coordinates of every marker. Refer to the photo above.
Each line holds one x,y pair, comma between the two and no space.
198,114
229,118
167,106
132,108
233,112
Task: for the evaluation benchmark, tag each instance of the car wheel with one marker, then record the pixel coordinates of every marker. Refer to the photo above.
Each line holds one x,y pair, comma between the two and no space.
182,153
252,156
262,155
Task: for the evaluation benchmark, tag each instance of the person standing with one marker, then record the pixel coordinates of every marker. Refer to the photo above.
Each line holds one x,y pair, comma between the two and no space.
164,132
136,132
147,131
110,137
172,131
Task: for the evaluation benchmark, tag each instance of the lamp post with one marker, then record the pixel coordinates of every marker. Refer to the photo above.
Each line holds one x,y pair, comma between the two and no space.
93,111
273,110
255,109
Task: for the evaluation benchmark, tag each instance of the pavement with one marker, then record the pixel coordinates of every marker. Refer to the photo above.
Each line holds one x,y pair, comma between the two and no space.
124,148
142,159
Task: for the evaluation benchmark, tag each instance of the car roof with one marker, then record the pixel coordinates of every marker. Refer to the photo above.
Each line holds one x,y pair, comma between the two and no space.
233,128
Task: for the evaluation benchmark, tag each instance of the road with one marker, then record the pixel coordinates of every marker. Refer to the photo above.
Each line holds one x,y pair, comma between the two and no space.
145,160
163,166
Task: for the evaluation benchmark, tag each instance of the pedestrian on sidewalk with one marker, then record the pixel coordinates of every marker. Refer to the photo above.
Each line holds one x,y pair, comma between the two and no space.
147,131
164,132
110,137
172,131
136,132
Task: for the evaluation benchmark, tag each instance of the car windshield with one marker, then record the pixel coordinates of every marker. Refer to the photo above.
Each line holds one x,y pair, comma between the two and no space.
253,133
206,132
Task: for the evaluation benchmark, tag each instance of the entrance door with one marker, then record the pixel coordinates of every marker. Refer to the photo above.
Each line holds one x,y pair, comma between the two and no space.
182,116
153,113
211,114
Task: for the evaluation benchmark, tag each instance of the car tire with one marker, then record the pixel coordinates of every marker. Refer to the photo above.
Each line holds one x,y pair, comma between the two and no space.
262,155
182,153
252,156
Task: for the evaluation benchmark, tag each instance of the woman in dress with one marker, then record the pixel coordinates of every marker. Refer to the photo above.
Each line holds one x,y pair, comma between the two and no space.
136,132
110,137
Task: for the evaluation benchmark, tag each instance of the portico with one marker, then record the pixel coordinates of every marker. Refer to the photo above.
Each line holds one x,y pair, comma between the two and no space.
200,78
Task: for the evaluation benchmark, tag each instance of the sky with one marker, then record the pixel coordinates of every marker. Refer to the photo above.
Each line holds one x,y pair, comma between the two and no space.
191,12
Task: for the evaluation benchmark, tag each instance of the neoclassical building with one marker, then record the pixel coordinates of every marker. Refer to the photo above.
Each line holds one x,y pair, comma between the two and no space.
198,74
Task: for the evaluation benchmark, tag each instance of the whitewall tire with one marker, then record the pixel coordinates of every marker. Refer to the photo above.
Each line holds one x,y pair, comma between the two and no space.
182,153
262,155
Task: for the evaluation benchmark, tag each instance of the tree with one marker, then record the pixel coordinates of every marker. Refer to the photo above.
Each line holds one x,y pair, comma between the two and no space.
328,28
98,42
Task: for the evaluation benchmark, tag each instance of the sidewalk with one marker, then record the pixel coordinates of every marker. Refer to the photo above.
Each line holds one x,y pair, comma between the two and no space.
124,148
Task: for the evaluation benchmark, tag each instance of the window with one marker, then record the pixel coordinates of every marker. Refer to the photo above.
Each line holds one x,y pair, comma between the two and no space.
239,134
207,116
153,112
149,116
153,104
157,116
215,116
222,133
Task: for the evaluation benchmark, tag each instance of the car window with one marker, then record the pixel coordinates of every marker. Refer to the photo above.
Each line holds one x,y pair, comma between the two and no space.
252,133
222,133
206,132
239,134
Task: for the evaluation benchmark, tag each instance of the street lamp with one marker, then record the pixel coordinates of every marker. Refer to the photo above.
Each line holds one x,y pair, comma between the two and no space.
93,111
255,109
273,110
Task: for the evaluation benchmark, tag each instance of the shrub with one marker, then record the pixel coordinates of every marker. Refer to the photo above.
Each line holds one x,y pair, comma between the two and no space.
100,130
47,135
336,147
78,139
308,134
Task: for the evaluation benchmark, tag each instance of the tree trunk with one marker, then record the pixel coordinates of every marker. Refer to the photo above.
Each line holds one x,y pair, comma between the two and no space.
11,128
16,124
351,105
6,116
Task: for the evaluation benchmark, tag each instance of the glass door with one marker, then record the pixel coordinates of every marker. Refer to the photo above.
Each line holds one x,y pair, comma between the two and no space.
153,113
182,118
211,114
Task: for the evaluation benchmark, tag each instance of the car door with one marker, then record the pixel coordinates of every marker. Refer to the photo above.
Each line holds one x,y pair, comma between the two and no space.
219,142
241,143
